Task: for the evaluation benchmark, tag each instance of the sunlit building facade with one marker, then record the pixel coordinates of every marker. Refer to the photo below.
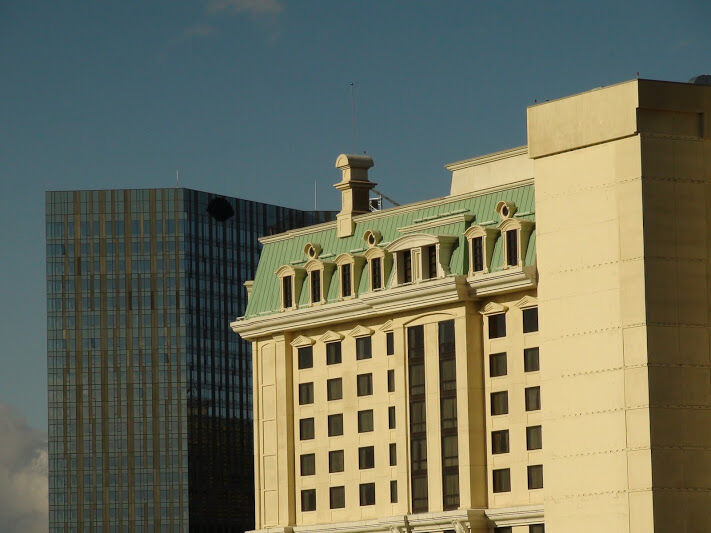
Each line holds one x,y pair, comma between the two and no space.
150,410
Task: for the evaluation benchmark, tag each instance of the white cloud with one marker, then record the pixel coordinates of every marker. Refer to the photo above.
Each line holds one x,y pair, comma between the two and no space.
23,475
253,7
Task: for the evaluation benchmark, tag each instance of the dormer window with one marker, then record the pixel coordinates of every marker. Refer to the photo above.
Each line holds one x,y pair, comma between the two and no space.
291,280
287,295
346,281
421,256
406,260
315,285
349,271
515,232
481,241
512,247
376,273
430,256
379,261
476,249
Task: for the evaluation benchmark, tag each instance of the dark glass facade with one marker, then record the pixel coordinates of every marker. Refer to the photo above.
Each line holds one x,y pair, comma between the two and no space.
150,413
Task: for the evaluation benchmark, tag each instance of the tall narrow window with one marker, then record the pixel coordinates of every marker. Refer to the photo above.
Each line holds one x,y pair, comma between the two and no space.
512,247
391,417
346,280
391,380
287,299
393,454
432,261
477,253
390,343
418,425
534,438
376,281
530,360
393,491
448,417
315,286
407,266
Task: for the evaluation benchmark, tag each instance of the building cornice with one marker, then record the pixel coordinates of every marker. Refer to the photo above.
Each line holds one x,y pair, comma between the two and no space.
487,158
516,516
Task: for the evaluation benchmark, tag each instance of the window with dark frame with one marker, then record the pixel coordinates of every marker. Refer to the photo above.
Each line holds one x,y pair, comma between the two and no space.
512,247
334,389
497,364
306,357
366,457
333,353
499,403
497,325
315,282
363,348
308,500
393,454
391,380
287,299
535,477
534,438
531,362
335,425
448,415
504,529
533,398
407,267
501,480
367,494
306,429
418,425
500,441
335,461
391,417
346,280
337,497
536,528
432,261
364,384
306,393
390,343
308,464
477,254
365,421
393,491
530,320
376,275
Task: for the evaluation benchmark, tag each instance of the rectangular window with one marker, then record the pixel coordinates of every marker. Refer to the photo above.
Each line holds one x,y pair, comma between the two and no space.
407,267
499,403
335,425
390,343
308,464
391,417
534,438
418,424
315,278
497,326
365,421
536,528
337,495
512,247
500,441
366,457
505,529
530,360
530,320
376,274
420,496
502,480
477,252
308,500
346,280
533,398
365,384
367,494
391,381
287,300
393,491
448,415
334,389
306,357
431,261
335,461
393,454
363,348
535,477
306,393
333,353
306,428
497,364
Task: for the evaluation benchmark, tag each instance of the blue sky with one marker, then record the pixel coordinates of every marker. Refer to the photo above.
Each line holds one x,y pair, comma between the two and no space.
251,98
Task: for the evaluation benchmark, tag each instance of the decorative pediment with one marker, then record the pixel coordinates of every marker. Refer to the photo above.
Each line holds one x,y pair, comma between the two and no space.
479,231
360,331
375,251
493,308
330,336
344,259
302,341
414,240
288,270
388,326
526,302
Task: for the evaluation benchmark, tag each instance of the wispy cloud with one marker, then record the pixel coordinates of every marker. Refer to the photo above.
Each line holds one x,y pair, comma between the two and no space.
265,12
252,7
23,475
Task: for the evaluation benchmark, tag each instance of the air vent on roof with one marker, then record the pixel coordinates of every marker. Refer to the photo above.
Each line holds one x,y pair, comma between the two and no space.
703,79
220,209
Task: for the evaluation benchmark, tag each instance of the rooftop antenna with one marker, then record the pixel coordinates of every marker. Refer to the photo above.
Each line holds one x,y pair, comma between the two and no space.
353,117
315,195
177,179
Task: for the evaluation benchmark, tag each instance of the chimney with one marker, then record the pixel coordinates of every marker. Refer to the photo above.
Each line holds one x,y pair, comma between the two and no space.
354,187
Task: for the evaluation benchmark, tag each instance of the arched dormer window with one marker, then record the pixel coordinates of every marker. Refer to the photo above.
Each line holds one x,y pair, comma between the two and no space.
421,256
515,234
480,244
291,279
349,271
319,274
379,261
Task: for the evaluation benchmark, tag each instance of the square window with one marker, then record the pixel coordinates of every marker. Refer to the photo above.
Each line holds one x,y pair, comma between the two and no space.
530,360
365,421
365,384
497,364
306,428
530,320
393,491
308,464
393,454
533,398
391,417
335,425
308,500
502,480
391,381
367,494
334,389
337,496
335,461
534,438
497,326
306,393
536,528
333,353
390,343
306,357
500,441
363,348
366,457
535,477
499,403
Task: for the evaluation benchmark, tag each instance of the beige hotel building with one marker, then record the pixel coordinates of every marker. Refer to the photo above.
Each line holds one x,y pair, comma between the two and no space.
530,353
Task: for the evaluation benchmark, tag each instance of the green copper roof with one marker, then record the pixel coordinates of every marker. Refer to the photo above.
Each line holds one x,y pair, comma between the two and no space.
266,292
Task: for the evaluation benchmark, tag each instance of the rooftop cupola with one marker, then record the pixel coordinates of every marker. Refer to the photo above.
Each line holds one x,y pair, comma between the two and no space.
354,187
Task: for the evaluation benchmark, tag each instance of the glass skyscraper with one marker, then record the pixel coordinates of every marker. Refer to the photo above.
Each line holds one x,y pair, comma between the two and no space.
150,413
